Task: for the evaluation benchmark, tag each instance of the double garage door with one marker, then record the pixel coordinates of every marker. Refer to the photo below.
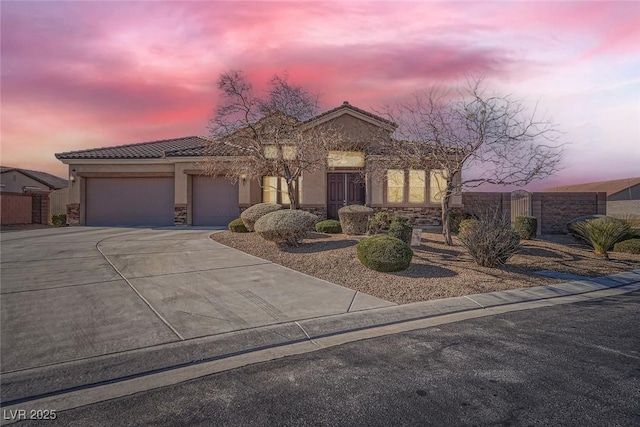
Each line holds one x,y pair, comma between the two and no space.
150,201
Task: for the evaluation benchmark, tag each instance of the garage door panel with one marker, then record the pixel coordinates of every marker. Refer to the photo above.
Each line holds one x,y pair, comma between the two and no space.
129,201
214,201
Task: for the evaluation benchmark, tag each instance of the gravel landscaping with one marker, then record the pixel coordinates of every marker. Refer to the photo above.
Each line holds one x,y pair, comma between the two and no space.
437,270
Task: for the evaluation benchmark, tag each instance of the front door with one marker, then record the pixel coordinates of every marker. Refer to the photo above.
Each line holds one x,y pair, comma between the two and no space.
343,189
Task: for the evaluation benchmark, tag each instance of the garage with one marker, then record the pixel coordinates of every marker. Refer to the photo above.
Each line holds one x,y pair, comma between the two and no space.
128,201
214,201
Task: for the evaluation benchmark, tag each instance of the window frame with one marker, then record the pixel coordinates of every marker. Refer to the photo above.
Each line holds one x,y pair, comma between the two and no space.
282,185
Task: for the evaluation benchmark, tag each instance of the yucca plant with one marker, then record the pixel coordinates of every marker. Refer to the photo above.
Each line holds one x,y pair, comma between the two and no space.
601,233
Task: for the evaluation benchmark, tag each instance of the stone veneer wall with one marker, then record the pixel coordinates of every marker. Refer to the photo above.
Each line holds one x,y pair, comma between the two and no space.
73,214
180,215
318,211
553,210
417,216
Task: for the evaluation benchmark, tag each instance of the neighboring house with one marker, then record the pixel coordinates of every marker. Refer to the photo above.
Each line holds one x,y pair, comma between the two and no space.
623,195
31,196
161,183
16,180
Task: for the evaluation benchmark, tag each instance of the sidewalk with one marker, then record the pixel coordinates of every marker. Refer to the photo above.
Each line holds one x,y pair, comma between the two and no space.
199,357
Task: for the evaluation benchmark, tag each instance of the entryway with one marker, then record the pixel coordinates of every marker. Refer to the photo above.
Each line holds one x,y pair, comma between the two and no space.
344,189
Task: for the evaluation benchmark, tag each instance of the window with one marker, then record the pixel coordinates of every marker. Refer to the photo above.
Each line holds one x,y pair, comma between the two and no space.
289,152
417,186
275,190
270,189
395,186
437,184
353,159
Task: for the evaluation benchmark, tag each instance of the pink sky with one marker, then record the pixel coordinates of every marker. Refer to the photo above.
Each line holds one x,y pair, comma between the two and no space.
81,75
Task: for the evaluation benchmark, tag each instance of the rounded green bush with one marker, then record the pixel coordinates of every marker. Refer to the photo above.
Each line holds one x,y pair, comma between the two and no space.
526,227
354,219
58,220
631,246
285,227
384,253
401,228
380,221
329,226
456,217
237,226
466,225
255,212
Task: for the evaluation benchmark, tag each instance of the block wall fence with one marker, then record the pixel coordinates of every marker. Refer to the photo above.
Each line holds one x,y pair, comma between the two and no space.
552,209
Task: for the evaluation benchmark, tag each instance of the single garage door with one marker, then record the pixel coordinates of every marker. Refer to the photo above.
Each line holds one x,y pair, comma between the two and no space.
129,201
214,201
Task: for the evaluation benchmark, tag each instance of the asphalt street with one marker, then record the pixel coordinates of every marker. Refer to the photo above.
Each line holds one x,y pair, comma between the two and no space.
571,365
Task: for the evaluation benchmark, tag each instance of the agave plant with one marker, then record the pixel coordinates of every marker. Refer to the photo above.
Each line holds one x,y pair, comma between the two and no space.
601,233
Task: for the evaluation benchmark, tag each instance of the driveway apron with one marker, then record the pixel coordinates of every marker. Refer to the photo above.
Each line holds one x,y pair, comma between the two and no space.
74,293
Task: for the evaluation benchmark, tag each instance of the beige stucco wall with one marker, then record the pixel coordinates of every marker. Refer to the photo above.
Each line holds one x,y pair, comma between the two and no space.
314,188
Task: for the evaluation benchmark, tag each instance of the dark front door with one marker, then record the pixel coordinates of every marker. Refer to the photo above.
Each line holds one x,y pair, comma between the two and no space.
343,189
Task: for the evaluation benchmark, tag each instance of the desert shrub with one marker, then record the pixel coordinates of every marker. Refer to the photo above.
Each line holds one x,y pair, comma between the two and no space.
491,241
601,233
58,220
630,246
285,227
354,219
401,228
329,226
465,226
255,212
526,227
237,226
456,217
384,253
379,222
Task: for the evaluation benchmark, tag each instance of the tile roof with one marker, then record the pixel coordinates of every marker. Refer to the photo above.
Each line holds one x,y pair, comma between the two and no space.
143,150
610,187
205,150
51,181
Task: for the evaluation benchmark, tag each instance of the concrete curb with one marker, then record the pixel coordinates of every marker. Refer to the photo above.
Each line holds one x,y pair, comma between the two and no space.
173,363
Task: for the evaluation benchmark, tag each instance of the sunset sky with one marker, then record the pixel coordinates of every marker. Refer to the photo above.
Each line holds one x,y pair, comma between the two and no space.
81,75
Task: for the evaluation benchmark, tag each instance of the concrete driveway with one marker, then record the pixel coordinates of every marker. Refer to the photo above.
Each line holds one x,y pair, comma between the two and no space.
74,293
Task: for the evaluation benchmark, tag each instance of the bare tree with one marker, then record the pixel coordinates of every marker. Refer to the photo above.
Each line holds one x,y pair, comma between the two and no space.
491,137
255,136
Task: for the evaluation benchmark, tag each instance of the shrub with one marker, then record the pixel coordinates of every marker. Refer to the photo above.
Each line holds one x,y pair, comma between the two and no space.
329,226
354,218
384,253
253,214
237,226
526,227
380,221
285,227
465,226
630,246
58,220
401,228
601,233
491,241
456,217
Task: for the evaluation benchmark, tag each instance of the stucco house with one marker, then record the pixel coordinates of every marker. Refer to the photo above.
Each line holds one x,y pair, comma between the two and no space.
161,183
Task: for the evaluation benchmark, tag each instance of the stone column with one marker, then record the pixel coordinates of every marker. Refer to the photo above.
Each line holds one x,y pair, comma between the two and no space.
180,214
